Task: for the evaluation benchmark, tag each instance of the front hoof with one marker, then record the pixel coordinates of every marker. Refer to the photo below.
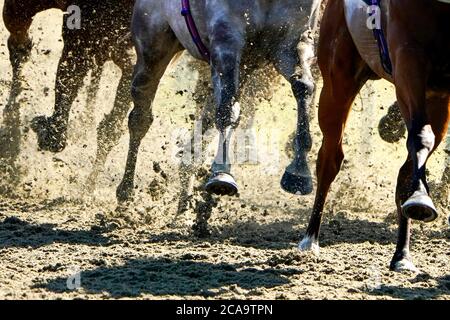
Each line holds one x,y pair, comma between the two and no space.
299,185
201,230
404,266
391,127
309,244
419,207
49,137
124,192
222,184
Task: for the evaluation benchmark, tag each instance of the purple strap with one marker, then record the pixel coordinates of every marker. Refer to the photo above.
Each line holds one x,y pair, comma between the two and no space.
190,22
382,44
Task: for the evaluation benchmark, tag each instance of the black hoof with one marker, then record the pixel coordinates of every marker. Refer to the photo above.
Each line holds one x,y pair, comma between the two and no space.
391,127
299,185
420,207
49,137
222,184
124,192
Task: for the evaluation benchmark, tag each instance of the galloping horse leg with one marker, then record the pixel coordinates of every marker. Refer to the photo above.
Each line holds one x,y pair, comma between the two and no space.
18,22
297,177
344,74
92,90
156,45
227,44
72,69
438,114
19,45
110,128
197,144
411,69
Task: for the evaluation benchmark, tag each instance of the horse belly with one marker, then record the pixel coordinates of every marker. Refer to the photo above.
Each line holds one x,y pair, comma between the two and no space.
356,15
172,11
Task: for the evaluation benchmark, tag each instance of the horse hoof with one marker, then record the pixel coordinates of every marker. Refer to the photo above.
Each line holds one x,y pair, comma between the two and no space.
299,185
222,184
49,138
124,192
309,244
391,127
419,207
404,266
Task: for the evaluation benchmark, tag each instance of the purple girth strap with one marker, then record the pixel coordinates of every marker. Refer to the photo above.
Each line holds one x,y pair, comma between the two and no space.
187,14
382,43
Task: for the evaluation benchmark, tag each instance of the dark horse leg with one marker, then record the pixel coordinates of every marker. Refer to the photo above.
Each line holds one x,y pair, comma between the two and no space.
17,23
73,67
296,68
110,128
18,18
438,115
426,115
344,74
156,45
411,69
227,44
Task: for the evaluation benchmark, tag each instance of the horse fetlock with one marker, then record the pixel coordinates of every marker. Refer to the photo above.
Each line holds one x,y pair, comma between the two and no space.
303,139
20,49
139,121
125,191
309,244
427,137
302,86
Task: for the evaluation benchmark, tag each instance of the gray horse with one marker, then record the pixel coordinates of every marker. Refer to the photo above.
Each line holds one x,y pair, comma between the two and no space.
239,36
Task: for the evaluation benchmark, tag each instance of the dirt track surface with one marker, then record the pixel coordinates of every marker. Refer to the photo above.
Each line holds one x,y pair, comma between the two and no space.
54,231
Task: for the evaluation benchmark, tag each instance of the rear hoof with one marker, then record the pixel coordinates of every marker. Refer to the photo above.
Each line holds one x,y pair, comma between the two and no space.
391,127
404,266
309,244
299,185
124,192
222,184
49,137
201,231
419,207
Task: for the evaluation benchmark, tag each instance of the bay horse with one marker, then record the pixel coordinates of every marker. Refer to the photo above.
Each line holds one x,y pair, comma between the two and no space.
235,37
104,35
416,34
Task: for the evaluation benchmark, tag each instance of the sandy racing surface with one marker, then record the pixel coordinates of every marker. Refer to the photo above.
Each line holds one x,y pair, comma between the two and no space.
61,239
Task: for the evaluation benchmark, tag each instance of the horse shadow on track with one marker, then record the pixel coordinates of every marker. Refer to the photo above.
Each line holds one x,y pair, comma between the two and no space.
164,276
284,234
422,293
15,232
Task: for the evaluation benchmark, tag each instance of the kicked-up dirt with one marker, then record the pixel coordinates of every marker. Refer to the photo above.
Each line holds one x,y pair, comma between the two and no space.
63,238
